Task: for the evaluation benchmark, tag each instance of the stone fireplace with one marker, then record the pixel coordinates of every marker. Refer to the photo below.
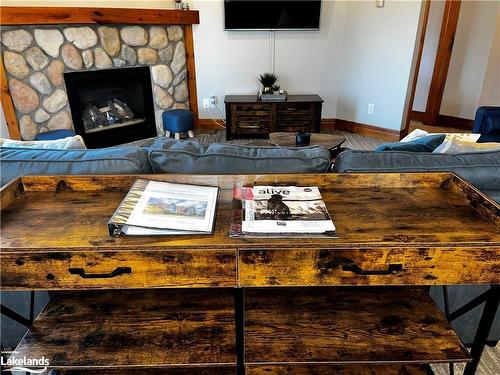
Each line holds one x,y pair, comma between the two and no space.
39,60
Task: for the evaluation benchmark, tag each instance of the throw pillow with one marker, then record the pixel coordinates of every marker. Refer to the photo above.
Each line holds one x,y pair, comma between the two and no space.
424,144
453,147
67,143
417,133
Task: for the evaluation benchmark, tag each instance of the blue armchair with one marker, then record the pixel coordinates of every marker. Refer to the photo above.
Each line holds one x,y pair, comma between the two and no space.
487,123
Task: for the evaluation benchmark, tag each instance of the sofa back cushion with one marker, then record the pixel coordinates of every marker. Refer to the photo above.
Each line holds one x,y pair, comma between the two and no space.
17,162
423,144
170,156
481,169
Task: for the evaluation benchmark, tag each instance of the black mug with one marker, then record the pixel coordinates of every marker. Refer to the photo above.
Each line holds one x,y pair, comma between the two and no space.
302,139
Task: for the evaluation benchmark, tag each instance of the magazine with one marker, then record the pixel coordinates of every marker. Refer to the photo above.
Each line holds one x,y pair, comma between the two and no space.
280,211
163,208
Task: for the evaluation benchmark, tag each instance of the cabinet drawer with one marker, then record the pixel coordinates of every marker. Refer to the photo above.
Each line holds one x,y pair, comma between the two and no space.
383,266
128,269
295,116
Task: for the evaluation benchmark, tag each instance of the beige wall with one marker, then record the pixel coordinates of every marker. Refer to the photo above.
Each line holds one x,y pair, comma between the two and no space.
361,55
377,58
428,55
490,93
473,53
469,59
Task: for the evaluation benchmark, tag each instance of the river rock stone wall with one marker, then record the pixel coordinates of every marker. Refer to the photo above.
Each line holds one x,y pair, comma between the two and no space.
35,59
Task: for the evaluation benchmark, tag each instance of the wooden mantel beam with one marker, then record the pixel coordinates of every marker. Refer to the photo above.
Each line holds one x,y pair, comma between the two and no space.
71,15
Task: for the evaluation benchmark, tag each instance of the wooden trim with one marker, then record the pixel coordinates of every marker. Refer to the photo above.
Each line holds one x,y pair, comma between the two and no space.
367,130
445,121
409,113
328,123
417,116
191,71
76,15
442,62
8,106
455,122
209,124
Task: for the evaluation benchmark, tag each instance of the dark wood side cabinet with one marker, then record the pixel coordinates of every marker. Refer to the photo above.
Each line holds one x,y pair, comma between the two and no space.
246,116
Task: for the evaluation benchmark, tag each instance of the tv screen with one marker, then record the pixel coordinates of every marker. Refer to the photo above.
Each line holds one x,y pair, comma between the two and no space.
272,14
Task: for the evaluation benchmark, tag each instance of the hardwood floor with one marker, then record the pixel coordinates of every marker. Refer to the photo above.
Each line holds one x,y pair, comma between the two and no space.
353,141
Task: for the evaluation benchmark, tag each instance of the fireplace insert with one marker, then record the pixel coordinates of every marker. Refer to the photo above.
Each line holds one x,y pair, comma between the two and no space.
111,107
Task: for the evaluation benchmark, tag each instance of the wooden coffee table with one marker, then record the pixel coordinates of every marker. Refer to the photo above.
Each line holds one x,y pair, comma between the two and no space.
287,139
216,305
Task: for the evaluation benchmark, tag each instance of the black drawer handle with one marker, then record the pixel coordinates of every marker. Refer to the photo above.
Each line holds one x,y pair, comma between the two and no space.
391,269
117,272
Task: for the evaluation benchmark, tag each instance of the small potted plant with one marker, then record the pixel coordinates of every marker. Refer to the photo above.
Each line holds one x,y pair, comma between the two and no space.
268,81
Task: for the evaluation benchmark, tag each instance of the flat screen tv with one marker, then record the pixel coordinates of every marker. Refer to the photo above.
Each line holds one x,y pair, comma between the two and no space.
272,14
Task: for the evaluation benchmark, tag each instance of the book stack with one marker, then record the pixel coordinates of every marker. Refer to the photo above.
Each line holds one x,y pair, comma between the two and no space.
280,211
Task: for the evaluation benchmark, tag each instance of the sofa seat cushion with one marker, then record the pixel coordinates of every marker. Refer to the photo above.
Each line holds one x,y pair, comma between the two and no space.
17,162
170,156
481,169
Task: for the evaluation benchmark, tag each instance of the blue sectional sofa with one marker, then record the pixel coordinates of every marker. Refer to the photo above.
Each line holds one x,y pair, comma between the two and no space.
162,155
482,169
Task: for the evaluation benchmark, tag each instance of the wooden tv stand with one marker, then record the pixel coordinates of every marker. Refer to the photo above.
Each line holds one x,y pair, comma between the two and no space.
246,116
211,305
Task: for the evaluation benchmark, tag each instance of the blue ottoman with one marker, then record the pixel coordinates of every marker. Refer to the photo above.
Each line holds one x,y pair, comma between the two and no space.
54,134
178,121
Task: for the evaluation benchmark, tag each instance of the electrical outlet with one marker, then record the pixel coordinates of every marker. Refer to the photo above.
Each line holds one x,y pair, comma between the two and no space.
206,103
213,101
371,109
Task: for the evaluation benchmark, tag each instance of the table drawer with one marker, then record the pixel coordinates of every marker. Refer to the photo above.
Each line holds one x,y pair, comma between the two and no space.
382,266
127,269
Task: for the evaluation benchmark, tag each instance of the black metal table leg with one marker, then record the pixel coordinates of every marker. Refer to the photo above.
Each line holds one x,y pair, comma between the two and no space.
483,330
239,305
447,314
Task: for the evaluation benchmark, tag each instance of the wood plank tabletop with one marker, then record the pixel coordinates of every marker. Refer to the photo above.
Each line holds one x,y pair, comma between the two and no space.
371,210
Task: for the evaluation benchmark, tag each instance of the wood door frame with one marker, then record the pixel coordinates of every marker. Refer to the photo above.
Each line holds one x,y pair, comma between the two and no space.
441,64
423,30
13,15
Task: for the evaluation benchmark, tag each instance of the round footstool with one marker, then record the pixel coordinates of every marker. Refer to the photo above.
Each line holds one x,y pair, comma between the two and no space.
178,121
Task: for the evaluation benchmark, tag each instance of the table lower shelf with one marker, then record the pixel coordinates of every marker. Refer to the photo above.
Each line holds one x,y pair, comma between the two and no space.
339,370
139,328
341,330
347,325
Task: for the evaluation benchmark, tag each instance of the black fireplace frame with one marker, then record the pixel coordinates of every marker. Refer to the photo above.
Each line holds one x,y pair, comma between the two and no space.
112,136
